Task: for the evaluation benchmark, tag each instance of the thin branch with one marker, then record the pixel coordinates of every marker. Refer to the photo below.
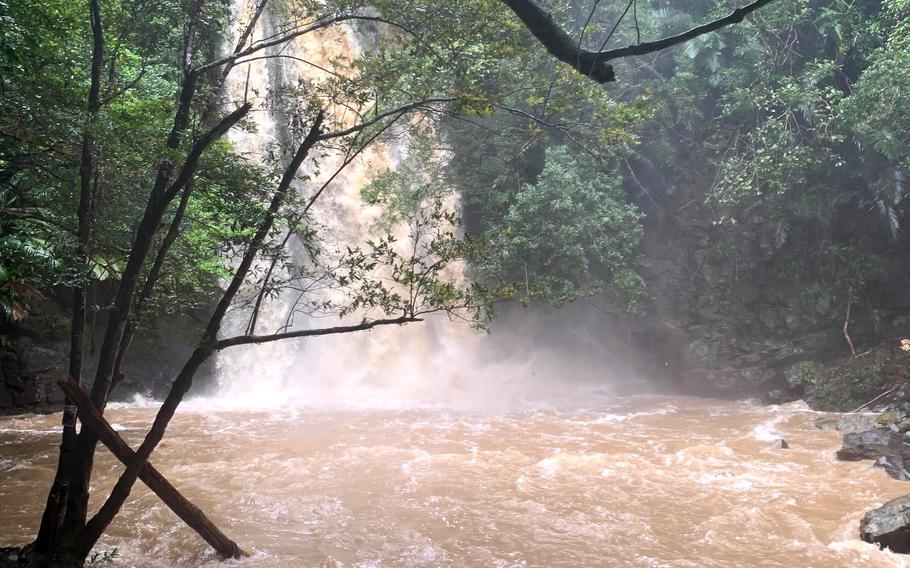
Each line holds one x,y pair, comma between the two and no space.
257,339
315,26
616,25
541,121
293,58
400,110
584,28
111,96
879,397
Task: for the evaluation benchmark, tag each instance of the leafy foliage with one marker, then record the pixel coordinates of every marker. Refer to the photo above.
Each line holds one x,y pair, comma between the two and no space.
567,235
793,141
45,51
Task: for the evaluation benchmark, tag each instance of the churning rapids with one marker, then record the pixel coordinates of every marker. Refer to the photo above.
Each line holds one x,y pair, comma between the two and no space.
635,481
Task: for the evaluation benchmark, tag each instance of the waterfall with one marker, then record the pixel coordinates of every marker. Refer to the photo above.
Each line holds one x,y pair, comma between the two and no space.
385,366
433,363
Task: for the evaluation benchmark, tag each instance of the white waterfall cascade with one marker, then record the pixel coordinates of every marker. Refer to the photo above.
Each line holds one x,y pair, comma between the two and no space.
433,363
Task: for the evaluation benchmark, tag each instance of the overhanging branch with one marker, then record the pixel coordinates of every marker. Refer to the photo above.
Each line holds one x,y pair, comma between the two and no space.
596,64
254,339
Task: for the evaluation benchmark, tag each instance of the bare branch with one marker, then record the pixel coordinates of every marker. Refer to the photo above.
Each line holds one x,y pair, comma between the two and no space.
256,339
396,111
291,57
290,36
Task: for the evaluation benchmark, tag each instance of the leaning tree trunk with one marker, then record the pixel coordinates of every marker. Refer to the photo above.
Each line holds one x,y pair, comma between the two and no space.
67,506
183,508
112,350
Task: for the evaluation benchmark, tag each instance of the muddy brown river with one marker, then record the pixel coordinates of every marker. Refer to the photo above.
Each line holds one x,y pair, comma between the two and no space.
641,481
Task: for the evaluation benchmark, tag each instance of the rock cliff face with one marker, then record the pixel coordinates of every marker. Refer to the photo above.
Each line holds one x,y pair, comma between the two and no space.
33,358
729,318
36,355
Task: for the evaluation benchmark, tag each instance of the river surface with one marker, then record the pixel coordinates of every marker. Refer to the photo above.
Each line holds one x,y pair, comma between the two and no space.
641,481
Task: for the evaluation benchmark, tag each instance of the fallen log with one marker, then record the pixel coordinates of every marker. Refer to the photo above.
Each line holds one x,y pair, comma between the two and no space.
189,513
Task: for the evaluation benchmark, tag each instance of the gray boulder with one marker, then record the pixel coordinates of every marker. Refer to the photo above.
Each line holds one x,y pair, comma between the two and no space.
885,445
869,444
889,525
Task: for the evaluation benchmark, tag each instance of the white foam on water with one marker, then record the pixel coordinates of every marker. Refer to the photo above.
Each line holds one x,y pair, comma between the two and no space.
137,401
768,431
869,554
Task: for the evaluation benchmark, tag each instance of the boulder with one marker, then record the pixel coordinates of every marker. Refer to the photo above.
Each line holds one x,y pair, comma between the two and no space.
798,375
886,418
885,445
17,388
869,444
11,368
53,395
889,525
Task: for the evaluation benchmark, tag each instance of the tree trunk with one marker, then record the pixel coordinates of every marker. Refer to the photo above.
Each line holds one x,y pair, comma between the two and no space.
162,195
55,510
94,528
67,504
189,513
849,339
148,289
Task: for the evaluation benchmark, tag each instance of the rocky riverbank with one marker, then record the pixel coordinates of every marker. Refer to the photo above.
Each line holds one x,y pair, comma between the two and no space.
884,439
873,390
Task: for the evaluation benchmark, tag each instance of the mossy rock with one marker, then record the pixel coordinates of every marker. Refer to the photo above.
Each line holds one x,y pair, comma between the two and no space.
844,386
